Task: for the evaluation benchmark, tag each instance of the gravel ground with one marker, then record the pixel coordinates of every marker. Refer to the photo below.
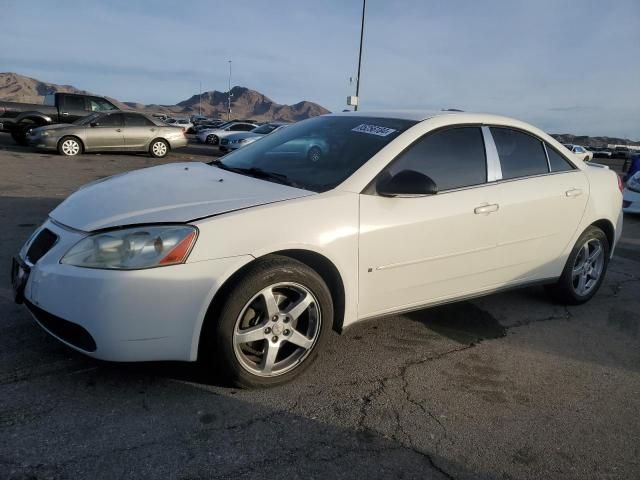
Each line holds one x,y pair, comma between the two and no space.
508,386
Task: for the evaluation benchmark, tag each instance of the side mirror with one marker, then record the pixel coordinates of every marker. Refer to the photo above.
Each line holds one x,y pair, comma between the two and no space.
94,124
406,183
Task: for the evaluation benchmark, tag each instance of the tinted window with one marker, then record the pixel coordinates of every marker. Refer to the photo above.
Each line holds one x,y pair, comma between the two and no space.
136,120
557,162
72,102
453,158
113,120
520,154
241,127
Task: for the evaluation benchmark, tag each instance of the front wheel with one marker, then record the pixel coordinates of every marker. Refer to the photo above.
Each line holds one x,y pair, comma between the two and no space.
19,136
212,139
69,147
272,325
314,154
585,268
159,148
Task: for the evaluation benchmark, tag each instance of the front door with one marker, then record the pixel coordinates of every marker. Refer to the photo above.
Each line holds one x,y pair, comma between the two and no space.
107,134
415,251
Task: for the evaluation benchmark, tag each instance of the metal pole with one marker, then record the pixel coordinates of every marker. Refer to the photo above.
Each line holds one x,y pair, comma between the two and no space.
229,93
200,104
364,4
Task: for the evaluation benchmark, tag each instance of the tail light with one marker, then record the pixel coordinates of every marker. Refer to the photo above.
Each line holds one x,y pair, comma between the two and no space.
620,184
184,131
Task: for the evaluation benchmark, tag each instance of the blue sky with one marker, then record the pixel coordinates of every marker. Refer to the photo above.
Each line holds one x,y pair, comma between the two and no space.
566,66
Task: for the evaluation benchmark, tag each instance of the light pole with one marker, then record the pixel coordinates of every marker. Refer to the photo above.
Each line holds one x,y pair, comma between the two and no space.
200,104
355,108
229,93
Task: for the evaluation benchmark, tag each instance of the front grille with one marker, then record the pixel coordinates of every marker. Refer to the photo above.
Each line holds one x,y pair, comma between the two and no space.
44,241
70,332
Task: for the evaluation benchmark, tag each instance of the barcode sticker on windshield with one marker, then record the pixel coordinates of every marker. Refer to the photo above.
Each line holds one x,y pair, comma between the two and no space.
373,130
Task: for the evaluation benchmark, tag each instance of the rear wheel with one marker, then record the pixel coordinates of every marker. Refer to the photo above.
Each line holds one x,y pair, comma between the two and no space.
585,268
314,154
212,139
19,136
159,148
272,325
69,146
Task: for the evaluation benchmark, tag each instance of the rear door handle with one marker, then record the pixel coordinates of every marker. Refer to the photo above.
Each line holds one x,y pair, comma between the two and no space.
118,129
574,192
486,209
65,114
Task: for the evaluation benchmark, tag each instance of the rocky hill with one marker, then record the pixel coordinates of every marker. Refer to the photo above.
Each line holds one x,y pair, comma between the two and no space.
245,103
592,141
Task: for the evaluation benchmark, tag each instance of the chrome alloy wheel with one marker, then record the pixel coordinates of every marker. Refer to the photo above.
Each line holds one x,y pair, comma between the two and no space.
588,266
159,149
70,147
277,329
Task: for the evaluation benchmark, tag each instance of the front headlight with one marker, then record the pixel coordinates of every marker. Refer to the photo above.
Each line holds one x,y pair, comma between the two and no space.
133,248
634,182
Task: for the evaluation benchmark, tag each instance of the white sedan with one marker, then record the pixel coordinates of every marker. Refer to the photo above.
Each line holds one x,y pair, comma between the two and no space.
248,263
580,151
212,136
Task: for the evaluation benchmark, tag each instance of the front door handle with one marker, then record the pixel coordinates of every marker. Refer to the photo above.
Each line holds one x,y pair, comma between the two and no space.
574,192
486,209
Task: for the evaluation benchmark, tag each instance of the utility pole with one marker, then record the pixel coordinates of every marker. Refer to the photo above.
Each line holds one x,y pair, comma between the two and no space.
200,104
355,108
229,93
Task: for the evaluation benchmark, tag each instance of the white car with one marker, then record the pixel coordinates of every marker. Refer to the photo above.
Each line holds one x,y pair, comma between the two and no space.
631,194
249,262
580,151
212,136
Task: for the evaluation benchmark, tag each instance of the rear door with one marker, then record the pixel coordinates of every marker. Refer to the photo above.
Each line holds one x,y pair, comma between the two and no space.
138,131
107,134
418,250
71,108
543,198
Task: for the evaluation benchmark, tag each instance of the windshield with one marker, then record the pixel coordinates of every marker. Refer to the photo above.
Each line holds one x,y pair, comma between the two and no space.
264,129
316,154
88,119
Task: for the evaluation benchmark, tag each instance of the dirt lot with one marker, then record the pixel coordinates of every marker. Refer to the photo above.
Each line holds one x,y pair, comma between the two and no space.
509,386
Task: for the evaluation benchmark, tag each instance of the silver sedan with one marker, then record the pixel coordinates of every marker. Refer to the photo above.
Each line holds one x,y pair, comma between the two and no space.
113,131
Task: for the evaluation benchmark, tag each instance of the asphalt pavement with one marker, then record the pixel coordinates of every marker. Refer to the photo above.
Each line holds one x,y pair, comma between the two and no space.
510,386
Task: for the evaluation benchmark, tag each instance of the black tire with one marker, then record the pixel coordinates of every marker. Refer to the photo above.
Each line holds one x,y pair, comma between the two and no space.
212,139
69,140
217,352
314,154
564,290
159,148
19,136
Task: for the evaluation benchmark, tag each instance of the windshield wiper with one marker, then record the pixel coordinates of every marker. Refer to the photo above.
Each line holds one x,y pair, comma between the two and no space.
257,173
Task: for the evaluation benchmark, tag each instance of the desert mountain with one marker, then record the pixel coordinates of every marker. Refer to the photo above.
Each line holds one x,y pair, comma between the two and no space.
245,103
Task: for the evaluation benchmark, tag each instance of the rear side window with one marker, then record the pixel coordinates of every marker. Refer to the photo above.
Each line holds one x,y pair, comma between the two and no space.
453,158
521,155
556,161
73,102
135,120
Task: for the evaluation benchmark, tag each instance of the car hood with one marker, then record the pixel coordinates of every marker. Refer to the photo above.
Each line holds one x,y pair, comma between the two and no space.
177,192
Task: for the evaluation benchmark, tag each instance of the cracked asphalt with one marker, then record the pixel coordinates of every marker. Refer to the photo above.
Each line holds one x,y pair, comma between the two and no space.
509,386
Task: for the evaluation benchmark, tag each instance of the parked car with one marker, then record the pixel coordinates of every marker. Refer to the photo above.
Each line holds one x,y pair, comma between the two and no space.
212,136
113,131
17,118
197,118
631,194
183,123
621,152
601,152
580,151
248,263
208,125
241,139
160,116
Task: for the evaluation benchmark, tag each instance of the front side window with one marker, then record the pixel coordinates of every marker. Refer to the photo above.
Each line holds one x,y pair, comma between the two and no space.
521,155
113,120
316,154
100,105
556,161
452,158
